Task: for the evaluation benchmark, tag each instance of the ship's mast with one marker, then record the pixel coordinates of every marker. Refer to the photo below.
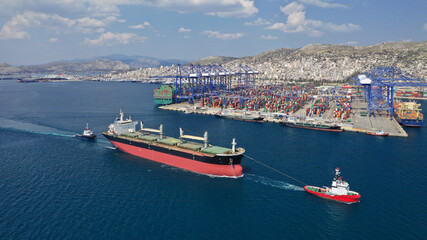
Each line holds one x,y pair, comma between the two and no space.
233,143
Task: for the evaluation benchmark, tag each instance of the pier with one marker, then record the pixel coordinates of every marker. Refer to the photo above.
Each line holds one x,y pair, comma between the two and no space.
360,123
366,106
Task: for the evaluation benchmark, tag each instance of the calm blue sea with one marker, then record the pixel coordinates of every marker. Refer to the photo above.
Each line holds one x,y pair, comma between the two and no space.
54,186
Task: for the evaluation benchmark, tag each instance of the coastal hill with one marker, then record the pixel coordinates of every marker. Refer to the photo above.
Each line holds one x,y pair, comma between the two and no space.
213,60
337,62
317,62
66,67
110,63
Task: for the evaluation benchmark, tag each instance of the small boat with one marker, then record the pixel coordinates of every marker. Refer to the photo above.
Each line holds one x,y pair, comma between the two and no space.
87,133
339,191
378,133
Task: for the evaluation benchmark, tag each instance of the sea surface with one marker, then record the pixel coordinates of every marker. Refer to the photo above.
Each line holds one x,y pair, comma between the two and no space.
54,186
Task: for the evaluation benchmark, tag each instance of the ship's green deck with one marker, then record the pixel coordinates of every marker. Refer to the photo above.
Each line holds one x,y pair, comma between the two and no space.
194,146
169,141
191,145
215,150
151,138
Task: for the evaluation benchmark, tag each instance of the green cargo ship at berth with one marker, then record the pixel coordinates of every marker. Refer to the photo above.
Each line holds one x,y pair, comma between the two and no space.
165,94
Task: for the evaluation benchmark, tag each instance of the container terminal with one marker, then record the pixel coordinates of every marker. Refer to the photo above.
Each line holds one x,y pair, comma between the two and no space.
375,101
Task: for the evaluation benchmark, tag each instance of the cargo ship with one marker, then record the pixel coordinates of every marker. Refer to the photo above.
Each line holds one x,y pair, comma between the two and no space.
240,116
408,114
179,152
27,80
339,191
321,126
165,94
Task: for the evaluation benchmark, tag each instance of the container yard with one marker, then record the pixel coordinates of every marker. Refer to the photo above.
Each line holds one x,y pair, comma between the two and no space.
350,112
364,106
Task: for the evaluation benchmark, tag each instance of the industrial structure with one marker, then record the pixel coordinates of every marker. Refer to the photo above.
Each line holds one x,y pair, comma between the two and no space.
379,85
196,81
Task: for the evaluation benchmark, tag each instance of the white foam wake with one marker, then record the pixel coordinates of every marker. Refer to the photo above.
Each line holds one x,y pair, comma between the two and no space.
33,128
273,183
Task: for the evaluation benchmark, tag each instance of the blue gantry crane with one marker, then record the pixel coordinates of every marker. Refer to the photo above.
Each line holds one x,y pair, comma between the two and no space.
194,81
379,84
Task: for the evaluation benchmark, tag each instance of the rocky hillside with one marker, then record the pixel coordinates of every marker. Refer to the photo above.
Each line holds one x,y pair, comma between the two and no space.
337,62
213,60
67,67
317,62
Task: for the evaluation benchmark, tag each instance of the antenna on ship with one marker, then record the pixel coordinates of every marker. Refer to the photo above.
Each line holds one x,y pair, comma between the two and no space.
142,124
181,132
121,115
233,143
161,131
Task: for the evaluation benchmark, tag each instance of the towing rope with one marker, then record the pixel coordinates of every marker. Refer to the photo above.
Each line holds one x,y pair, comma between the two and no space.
284,174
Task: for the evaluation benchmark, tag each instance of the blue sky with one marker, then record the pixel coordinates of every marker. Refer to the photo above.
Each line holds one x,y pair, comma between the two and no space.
34,32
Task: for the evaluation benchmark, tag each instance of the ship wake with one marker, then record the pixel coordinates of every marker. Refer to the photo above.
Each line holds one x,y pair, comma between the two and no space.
22,126
273,183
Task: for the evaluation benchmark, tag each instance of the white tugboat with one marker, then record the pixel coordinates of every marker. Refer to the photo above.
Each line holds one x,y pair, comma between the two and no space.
87,133
339,191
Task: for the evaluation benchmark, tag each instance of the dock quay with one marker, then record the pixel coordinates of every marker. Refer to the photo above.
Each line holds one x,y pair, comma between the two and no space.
360,122
365,105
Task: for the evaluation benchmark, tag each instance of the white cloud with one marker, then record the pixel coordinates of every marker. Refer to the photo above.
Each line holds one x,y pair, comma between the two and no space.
425,26
102,8
84,15
100,30
184,30
258,22
94,8
291,8
52,40
269,37
109,39
223,8
298,23
222,36
346,27
323,4
140,26
15,27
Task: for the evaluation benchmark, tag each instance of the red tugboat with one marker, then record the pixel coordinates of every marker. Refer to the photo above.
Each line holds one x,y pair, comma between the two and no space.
339,191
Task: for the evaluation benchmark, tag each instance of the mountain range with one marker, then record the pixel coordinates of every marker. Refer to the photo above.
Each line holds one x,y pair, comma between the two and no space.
110,63
314,61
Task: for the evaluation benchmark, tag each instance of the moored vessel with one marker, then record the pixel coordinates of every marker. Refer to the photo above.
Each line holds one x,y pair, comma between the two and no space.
339,191
378,133
87,133
240,116
179,152
165,94
408,114
322,126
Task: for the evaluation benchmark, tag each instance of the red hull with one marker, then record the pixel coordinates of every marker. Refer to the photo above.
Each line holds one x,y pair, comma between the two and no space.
180,162
338,198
